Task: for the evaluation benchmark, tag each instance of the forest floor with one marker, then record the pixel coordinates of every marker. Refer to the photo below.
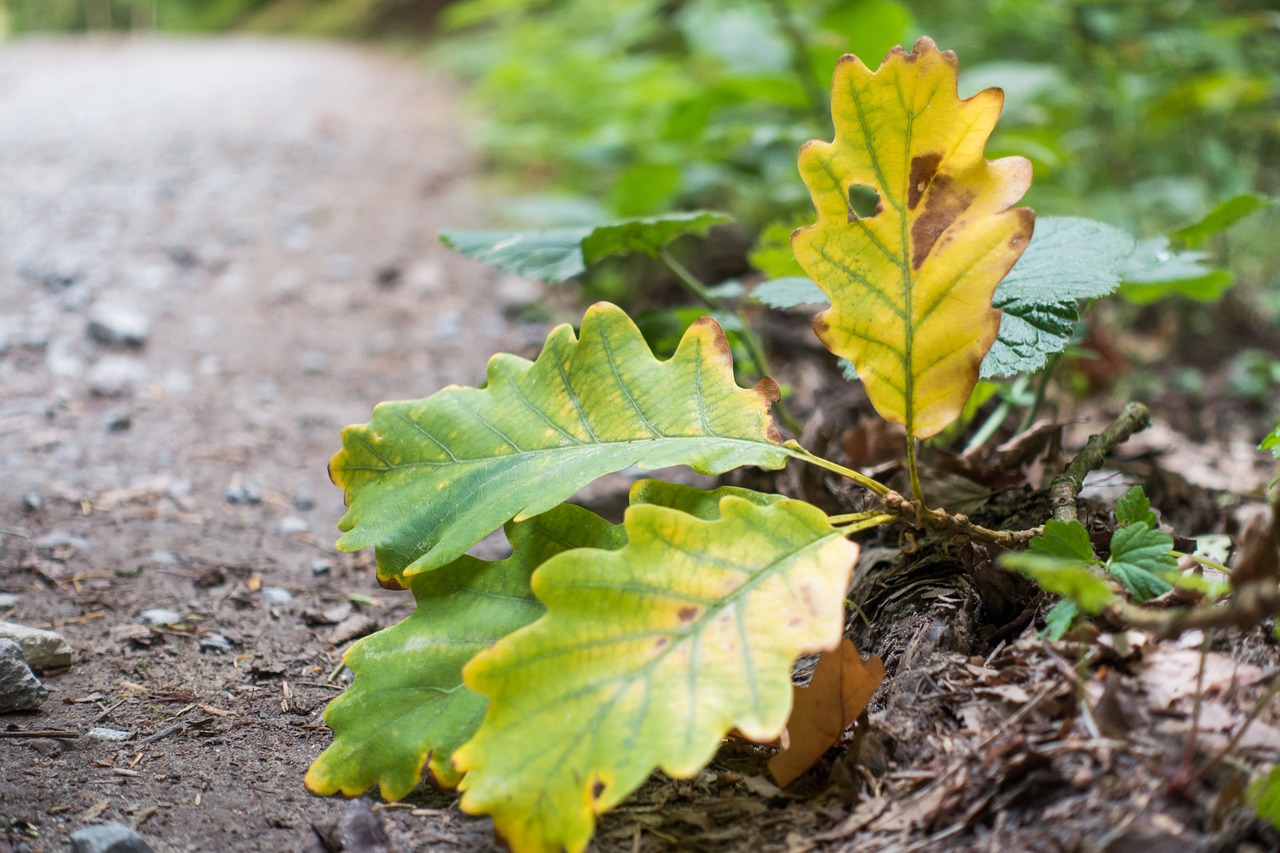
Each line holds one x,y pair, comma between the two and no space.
215,255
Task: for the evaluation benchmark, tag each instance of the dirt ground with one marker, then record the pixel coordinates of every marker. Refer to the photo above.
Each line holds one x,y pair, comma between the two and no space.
213,256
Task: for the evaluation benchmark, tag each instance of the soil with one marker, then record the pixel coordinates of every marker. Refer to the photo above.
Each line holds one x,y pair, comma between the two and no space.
215,255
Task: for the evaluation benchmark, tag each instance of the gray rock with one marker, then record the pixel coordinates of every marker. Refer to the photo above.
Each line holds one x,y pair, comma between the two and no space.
276,597
115,375
61,539
32,502
215,643
103,733
159,616
42,649
291,524
108,838
321,567
20,690
9,599
118,325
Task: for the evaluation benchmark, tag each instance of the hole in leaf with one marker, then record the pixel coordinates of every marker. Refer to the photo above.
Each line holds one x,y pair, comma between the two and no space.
864,202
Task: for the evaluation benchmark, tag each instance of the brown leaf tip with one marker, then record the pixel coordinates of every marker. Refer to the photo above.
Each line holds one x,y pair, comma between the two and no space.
715,337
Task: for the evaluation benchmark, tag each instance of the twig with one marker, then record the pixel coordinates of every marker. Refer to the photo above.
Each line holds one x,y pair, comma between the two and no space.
940,519
1065,488
58,733
1247,606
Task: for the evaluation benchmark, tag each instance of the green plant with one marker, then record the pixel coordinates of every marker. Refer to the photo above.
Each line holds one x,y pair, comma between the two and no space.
549,685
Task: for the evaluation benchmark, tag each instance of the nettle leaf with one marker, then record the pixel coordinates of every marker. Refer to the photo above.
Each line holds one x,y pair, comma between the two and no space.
427,479
1141,560
407,703
1223,216
789,293
1155,271
647,656
1066,540
556,255
1068,259
911,285
1133,507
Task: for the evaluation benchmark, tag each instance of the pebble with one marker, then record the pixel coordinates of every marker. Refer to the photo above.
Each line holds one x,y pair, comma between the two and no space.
303,501
321,567
20,690
103,733
61,539
108,838
159,616
275,596
244,493
9,599
42,649
32,502
118,325
119,422
215,643
115,375
291,524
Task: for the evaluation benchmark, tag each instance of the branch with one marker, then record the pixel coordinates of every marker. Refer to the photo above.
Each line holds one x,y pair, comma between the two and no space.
1246,607
1065,488
940,519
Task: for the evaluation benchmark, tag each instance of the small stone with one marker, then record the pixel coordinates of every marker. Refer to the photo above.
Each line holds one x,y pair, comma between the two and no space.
20,690
32,502
303,501
108,838
320,568
292,524
119,422
274,596
448,326
115,375
9,599
42,649
361,828
314,363
244,493
159,616
103,733
118,325
164,558
215,643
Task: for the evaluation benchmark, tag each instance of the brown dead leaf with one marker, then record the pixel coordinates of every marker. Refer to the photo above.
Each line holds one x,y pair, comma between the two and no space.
1169,674
842,685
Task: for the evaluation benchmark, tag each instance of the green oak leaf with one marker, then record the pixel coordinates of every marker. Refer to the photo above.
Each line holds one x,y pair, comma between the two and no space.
647,656
559,254
1067,540
1134,506
407,704
1223,216
1140,559
427,479
1155,271
1068,259
789,292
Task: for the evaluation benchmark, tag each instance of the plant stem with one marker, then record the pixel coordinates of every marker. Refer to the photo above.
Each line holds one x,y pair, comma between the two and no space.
1046,375
879,489
865,522
797,43
748,334
916,494
1065,488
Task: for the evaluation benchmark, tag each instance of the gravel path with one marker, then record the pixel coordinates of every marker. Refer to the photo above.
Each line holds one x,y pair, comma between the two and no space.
213,255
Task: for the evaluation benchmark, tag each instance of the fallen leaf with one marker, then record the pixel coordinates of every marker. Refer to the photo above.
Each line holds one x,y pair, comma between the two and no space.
842,685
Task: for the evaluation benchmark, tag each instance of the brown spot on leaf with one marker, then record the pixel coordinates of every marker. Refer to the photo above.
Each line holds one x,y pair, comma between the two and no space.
768,389
943,207
716,338
660,642
686,614
391,583
923,168
597,788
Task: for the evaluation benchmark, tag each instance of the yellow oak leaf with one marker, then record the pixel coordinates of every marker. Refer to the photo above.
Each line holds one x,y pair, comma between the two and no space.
911,284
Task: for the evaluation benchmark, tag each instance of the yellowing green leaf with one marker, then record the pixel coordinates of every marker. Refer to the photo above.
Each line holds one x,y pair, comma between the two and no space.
647,656
407,702
911,285
427,479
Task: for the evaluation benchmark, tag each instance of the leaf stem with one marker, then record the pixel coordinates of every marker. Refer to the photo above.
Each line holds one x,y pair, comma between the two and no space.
916,494
869,521
1046,376
748,334
879,489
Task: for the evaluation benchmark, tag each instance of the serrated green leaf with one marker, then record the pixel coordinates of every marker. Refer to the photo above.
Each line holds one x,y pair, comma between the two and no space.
1265,796
1059,619
1068,259
1133,507
427,479
1155,271
648,234
789,293
1272,443
1140,559
647,656
407,703
1066,540
1223,216
1074,580
559,254
548,256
